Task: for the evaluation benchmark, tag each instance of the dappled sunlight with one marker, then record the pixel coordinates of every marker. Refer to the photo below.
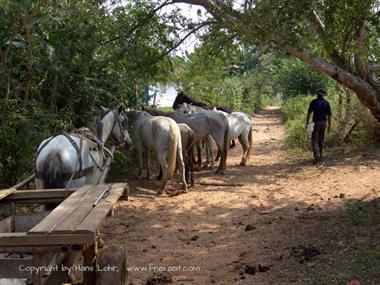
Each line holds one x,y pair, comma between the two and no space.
265,213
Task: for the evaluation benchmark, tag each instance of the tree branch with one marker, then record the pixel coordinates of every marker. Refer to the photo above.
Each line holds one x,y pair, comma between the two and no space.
361,54
139,24
215,10
319,27
176,45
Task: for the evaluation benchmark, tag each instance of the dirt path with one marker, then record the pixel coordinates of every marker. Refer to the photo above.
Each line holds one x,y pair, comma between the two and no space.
290,204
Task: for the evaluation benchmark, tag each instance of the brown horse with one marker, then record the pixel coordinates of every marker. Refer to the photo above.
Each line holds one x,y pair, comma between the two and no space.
183,98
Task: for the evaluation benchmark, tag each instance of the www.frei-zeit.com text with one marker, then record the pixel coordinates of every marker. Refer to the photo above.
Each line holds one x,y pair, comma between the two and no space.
80,268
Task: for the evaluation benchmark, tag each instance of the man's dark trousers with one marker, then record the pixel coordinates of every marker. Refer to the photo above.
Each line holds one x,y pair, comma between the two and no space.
317,138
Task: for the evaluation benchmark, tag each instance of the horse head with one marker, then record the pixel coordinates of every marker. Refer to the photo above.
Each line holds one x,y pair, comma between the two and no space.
119,123
186,108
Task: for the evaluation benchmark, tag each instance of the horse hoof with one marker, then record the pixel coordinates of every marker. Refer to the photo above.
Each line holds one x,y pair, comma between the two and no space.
243,163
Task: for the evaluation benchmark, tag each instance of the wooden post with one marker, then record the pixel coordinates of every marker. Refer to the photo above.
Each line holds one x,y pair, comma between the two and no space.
89,261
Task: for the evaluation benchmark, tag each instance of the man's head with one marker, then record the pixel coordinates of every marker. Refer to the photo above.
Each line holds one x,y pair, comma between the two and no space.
320,92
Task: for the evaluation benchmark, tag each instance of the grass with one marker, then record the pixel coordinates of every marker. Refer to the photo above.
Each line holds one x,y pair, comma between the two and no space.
353,252
165,109
359,260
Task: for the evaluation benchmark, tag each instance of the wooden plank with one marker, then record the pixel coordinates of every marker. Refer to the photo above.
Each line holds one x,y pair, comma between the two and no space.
93,220
25,181
38,194
13,267
30,249
80,213
39,260
6,192
6,225
23,239
24,222
60,213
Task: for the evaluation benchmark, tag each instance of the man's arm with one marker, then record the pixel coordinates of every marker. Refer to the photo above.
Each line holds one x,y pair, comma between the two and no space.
328,117
308,117
309,111
328,122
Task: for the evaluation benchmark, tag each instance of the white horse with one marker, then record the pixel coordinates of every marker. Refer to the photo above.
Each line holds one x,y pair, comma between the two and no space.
240,127
163,135
203,124
69,160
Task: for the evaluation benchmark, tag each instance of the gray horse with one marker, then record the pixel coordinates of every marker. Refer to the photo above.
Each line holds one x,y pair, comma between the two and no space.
240,125
68,160
163,135
203,124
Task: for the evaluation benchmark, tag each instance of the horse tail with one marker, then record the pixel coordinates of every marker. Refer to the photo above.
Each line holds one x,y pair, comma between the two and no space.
53,171
172,153
250,142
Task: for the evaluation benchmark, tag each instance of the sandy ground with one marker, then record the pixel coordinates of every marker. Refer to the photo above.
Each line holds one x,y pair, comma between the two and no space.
289,204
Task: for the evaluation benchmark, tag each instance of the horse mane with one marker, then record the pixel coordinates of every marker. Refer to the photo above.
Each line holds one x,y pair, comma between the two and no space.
183,98
96,126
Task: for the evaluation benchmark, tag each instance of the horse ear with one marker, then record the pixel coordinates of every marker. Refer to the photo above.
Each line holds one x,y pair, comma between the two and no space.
120,109
104,109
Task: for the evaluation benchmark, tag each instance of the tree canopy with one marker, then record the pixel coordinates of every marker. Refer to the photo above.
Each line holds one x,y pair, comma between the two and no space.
338,38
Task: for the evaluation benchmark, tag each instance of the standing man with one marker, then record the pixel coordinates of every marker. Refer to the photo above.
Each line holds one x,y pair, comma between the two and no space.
321,110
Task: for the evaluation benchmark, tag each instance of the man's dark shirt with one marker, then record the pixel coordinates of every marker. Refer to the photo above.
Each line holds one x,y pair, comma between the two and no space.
320,108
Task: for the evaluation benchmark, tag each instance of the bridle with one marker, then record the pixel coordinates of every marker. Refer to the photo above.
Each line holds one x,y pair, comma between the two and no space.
121,124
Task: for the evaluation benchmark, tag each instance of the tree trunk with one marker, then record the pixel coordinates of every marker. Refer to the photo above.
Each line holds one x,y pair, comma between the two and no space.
366,93
340,106
348,104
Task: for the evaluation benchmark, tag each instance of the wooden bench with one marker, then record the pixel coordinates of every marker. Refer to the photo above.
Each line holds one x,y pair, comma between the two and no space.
70,228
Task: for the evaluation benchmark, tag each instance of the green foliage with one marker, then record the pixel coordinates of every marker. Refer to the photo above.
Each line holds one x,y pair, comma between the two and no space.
295,77
294,113
228,76
351,121
60,61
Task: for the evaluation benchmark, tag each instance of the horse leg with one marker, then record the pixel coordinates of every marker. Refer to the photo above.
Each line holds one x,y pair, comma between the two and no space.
207,152
139,156
148,164
219,144
162,159
217,155
209,143
221,141
199,150
244,143
181,168
159,177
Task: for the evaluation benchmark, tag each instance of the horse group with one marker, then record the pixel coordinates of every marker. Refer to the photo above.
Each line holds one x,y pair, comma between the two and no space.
72,160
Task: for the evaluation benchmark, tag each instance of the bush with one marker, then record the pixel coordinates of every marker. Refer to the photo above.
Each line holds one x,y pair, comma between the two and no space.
294,113
351,122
